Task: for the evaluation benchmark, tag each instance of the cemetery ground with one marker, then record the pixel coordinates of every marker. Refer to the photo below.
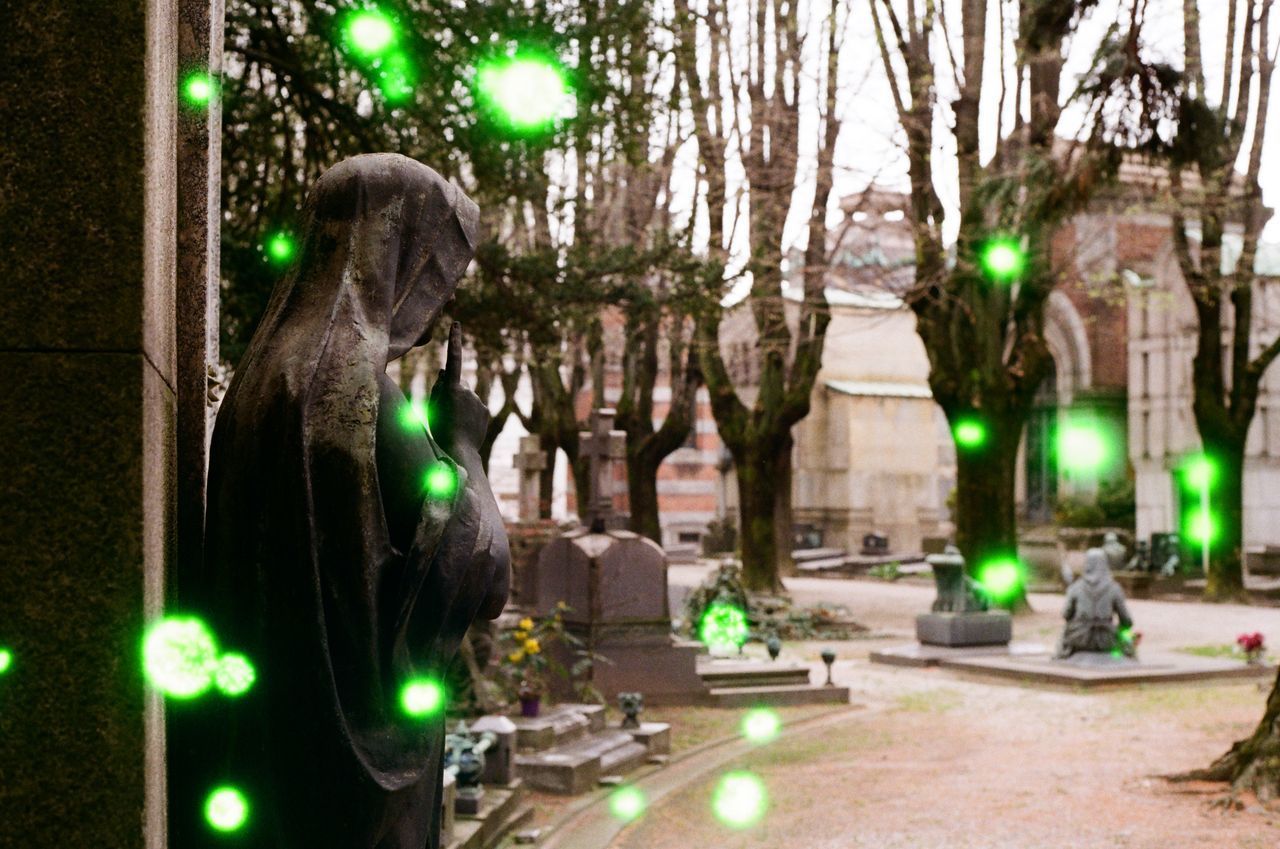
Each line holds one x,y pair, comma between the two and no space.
928,758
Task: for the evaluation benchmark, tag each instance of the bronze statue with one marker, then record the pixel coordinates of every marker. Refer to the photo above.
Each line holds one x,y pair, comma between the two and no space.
348,546
1095,603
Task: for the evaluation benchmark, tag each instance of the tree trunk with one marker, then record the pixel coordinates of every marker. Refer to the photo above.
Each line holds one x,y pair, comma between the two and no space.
756,466
547,480
1225,580
642,489
1253,764
986,527
784,528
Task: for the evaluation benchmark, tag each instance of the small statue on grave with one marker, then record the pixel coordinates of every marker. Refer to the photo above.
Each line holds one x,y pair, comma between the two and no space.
631,704
957,592
1094,604
1141,560
1114,549
464,755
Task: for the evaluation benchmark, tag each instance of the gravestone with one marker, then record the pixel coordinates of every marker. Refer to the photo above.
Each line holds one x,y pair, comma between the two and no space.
605,448
531,532
960,616
614,582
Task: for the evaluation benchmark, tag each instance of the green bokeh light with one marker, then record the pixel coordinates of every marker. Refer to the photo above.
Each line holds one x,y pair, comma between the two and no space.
1200,472
1201,527
441,480
179,656
527,91
739,800
281,247
1001,577
396,77
761,725
970,433
370,32
1003,259
1082,448
627,803
234,675
723,626
422,697
415,415
6,660
226,809
198,88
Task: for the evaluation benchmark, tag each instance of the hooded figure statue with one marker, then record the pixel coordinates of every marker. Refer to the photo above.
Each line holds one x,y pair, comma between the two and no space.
348,545
1093,602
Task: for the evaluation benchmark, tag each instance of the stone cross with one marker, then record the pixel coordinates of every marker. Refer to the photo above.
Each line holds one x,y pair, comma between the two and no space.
531,461
604,446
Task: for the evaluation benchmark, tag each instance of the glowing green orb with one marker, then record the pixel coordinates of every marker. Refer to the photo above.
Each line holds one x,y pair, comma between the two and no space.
1001,578
739,800
413,416
528,92
723,626
970,433
421,697
281,247
1003,259
198,88
761,725
234,675
395,77
179,656
6,660
226,809
1200,472
1201,527
370,33
1082,448
441,480
627,803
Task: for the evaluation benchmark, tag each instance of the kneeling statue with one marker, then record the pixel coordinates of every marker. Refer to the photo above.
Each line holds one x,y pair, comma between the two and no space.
1094,602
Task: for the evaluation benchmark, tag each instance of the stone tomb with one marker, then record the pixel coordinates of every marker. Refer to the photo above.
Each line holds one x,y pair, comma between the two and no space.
615,584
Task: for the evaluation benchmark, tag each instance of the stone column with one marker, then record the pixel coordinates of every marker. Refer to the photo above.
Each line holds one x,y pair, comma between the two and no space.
88,376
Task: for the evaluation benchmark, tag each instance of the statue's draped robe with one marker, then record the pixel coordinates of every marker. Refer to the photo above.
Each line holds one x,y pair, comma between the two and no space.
326,561
1094,603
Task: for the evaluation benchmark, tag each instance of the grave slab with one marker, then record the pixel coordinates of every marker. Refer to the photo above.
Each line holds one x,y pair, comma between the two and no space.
921,655
1151,667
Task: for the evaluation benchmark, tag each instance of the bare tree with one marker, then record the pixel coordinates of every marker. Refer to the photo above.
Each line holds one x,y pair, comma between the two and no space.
1211,199
746,105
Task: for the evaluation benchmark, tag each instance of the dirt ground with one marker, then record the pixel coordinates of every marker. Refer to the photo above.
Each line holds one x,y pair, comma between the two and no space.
938,761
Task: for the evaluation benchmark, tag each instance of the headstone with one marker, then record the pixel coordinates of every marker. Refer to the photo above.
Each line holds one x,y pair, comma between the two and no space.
875,544
615,584
959,616
605,447
1096,613
531,461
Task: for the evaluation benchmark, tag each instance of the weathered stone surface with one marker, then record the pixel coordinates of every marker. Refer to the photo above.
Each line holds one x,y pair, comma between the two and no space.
993,627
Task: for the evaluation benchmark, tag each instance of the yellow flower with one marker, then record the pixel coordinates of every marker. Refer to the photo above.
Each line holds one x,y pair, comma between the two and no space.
516,656
526,624
562,605
531,646
521,636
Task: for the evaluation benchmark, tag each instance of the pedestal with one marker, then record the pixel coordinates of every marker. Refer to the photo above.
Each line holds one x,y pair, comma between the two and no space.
989,628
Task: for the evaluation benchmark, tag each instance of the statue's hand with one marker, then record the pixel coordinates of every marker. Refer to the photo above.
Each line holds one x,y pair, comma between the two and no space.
459,418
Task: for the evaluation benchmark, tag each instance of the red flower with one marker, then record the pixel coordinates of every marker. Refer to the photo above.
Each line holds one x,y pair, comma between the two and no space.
1250,643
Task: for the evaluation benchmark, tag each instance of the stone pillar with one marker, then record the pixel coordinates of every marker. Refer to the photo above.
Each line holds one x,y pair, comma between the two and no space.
88,117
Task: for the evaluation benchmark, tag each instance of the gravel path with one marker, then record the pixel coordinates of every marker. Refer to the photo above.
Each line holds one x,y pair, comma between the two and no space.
958,764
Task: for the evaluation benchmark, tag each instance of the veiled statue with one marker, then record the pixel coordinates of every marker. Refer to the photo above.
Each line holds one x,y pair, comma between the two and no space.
349,543
1095,611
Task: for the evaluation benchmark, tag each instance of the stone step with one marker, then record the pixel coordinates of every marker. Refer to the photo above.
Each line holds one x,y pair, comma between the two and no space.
557,725
576,766
502,811
724,674
808,555
808,694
